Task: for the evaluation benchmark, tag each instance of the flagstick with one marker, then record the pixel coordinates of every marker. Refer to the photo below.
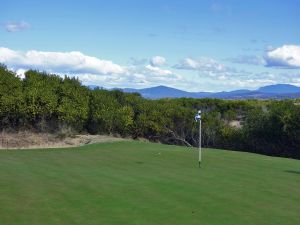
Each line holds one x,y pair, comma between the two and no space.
200,142
198,118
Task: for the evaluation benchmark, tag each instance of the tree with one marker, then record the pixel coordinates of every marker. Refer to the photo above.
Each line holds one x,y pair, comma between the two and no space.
73,104
11,99
41,95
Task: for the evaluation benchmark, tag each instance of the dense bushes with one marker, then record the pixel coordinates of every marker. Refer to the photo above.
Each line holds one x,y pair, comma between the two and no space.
49,103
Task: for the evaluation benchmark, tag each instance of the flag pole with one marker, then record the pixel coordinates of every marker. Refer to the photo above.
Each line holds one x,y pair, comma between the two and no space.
200,152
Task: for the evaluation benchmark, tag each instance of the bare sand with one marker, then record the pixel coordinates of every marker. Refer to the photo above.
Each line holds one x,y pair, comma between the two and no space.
30,140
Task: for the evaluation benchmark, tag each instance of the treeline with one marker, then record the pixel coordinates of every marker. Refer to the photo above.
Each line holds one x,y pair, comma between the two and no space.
48,103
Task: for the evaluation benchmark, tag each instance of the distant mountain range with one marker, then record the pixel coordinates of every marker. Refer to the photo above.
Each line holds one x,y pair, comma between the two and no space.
277,91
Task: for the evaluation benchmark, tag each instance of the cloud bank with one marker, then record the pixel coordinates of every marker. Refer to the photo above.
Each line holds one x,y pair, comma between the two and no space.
90,70
287,56
202,64
202,74
60,62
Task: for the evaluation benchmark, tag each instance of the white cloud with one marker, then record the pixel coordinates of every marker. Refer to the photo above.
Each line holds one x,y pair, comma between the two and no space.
21,73
16,26
212,75
157,61
207,67
249,83
137,77
215,76
90,70
202,64
147,76
158,71
287,56
58,62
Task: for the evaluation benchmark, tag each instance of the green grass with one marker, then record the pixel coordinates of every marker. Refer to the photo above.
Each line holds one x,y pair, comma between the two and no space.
143,183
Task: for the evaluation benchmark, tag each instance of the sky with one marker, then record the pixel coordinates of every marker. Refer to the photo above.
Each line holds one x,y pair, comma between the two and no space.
193,45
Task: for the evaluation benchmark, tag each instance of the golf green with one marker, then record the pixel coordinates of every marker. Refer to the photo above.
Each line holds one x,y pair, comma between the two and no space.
140,183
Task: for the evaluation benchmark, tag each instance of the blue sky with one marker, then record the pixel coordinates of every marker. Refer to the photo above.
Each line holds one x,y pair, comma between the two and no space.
192,45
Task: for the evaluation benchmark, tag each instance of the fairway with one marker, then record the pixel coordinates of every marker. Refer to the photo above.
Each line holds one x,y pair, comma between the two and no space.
142,183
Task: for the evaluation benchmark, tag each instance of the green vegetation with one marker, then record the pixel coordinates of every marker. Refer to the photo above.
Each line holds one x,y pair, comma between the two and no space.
48,103
146,183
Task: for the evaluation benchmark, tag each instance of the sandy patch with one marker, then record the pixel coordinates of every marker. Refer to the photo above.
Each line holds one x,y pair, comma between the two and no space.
28,140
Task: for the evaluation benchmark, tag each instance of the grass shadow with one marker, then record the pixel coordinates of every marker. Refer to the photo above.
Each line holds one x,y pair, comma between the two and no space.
292,171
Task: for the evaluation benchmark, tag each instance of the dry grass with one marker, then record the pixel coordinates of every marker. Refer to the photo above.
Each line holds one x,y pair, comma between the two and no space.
25,140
